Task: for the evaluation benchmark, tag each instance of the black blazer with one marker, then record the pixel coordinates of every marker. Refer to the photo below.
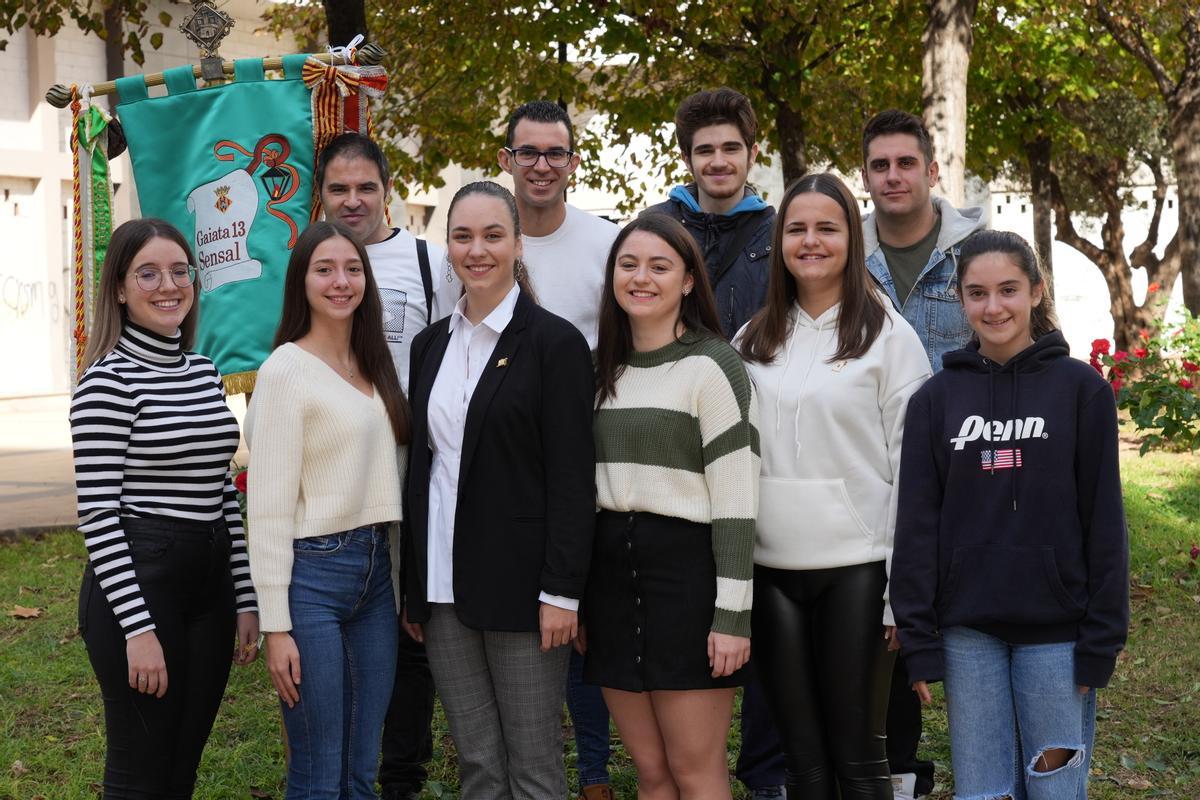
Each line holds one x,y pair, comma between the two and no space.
527,481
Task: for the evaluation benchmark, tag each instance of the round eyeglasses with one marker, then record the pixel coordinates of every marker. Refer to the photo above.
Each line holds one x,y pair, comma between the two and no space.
528,157
149,279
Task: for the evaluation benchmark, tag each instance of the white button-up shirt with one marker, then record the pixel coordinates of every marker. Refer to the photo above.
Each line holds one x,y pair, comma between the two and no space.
470,349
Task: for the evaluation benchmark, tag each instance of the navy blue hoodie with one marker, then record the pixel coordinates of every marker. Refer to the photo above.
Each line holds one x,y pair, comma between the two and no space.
1010,517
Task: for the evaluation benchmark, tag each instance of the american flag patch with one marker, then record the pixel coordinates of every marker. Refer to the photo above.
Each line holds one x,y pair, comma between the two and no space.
1000,459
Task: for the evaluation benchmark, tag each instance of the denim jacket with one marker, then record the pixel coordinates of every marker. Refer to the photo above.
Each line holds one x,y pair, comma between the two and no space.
933,307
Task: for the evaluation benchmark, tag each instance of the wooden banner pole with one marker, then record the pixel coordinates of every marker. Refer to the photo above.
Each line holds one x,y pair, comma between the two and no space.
59,95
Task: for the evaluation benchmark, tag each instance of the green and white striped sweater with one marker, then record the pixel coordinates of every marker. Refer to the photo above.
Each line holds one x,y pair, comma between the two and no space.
680,438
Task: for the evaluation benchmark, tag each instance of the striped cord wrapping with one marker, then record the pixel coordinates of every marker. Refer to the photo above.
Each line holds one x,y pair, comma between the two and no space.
77,224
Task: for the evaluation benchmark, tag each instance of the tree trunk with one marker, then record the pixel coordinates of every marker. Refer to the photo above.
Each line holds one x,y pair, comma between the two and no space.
1185,150
947,42
345,19
790,124
114,46
1037,154
1108,256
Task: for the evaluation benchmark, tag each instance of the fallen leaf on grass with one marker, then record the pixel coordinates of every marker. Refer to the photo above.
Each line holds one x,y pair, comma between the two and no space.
19,769
1141,784
259,794
24,612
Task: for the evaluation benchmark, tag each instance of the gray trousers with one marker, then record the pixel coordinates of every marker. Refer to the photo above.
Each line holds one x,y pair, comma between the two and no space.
503,698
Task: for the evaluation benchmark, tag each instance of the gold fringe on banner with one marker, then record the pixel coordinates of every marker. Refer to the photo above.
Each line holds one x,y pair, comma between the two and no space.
240,382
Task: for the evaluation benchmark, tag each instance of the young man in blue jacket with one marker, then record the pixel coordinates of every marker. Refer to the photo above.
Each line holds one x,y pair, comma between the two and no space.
716,131
912,241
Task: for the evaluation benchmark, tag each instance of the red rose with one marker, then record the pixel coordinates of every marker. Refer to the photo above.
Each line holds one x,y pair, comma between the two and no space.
1152,288
1116,384
1099,346
1140,352
239,480
1190,367
1120,356
1184,383
1144,334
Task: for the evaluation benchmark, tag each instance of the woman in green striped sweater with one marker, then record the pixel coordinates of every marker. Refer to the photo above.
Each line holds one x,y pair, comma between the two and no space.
667,607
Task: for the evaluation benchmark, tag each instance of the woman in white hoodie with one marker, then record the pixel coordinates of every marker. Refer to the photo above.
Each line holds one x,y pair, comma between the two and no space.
834,367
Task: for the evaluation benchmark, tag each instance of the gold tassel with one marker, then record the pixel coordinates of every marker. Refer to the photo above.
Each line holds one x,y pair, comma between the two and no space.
240,382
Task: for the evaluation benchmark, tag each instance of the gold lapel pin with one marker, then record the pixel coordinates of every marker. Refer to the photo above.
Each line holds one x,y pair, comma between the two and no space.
502,362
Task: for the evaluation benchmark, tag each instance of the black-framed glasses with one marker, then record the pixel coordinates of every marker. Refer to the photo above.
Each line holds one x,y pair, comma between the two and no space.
528,157
149,279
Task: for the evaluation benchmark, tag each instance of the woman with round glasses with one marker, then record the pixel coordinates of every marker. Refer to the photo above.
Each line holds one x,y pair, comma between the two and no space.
167,581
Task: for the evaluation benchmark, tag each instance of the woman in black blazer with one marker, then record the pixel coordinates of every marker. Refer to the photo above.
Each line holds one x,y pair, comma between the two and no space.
501,503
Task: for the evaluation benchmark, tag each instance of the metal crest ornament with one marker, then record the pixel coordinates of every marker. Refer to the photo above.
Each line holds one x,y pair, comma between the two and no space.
206,26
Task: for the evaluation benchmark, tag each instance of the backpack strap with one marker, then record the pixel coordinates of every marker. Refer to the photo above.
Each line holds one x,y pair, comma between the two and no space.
426,278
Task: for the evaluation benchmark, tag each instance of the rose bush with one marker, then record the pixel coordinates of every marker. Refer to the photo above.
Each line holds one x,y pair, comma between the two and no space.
1156,383
240,475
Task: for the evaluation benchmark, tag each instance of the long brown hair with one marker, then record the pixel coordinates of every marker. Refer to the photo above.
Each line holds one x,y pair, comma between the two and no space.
1042,318
366,328
861,316
108,318
697,311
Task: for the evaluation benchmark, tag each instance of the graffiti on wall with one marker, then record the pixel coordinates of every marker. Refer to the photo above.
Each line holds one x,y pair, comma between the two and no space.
21,299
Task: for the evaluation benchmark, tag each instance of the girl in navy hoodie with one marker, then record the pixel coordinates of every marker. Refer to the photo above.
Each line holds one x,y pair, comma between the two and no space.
1010,571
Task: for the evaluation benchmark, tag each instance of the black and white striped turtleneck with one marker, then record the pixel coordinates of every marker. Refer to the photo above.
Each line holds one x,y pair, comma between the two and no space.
153,438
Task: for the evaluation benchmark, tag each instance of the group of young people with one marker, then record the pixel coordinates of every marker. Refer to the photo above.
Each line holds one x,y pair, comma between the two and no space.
631,469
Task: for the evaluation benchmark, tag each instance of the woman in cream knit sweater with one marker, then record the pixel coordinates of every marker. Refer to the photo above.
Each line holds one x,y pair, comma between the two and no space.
327,429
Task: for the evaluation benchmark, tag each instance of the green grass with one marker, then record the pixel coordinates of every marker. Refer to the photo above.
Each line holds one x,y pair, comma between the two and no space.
1148,735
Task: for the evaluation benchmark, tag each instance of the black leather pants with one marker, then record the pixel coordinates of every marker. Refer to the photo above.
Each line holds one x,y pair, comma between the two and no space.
819,648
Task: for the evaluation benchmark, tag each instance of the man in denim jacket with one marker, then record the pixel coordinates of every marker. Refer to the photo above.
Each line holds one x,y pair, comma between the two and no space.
911,238
912,242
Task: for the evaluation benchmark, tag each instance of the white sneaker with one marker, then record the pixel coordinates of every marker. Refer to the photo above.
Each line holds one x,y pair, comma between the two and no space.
904,786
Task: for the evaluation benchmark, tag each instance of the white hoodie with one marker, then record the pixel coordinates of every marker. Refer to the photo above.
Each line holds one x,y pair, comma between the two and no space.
831,434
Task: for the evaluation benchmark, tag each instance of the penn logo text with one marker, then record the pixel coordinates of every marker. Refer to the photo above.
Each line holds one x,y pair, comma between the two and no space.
976,427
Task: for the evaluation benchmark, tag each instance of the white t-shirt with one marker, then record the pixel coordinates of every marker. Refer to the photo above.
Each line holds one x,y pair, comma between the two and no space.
398,273
566,268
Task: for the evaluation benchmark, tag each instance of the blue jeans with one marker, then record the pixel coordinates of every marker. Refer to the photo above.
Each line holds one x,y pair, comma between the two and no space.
1007,703
344,624
589,716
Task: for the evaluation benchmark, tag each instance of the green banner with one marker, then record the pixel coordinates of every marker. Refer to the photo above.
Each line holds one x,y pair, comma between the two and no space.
231,167
93,136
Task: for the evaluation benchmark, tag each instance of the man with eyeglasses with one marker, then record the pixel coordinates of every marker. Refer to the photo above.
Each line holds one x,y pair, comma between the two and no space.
716,131
565,253
565,248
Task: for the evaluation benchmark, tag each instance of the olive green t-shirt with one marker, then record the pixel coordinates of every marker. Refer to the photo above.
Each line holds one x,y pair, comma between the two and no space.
906,263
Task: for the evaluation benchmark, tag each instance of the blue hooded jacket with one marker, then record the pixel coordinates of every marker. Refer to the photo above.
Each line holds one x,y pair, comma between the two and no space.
735,247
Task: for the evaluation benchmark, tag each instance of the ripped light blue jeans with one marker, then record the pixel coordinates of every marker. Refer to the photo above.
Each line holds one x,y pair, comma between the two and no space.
1006,705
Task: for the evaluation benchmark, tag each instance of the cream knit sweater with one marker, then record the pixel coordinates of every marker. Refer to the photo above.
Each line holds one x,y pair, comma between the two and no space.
323,460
